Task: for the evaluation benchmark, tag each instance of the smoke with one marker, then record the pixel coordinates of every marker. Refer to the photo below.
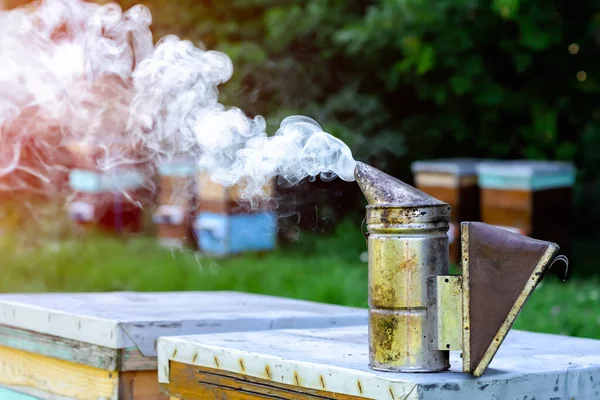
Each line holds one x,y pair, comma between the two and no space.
83,83
66,89
177,109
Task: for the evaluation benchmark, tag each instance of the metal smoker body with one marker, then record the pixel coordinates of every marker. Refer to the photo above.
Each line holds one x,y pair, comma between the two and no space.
407,244
417,312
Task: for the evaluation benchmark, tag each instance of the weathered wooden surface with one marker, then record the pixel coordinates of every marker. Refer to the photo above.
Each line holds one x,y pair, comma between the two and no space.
63,349
221,235
528,364
129,359
46,377
127,320
197,383
140,385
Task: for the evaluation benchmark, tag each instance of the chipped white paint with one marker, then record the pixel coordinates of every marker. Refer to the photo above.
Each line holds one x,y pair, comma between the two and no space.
528,365
125,319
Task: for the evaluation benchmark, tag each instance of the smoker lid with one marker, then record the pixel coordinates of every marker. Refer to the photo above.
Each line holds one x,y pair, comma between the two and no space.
454,166
380,188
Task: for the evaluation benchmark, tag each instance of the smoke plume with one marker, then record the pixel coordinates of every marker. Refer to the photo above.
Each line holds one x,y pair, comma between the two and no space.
84,83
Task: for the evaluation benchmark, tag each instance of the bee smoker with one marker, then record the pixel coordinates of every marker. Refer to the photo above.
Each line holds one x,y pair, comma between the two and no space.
417,312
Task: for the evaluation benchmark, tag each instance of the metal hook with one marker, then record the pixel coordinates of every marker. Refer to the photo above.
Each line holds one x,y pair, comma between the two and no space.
365,233
565,260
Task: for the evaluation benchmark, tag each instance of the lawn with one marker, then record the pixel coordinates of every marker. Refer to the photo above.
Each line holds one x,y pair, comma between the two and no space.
319,267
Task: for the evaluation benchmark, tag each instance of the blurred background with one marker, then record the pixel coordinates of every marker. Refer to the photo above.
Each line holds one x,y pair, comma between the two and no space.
398,81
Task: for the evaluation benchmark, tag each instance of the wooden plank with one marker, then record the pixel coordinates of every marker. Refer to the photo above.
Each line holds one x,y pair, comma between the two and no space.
57,347
33,372
140,385
133,360
196,383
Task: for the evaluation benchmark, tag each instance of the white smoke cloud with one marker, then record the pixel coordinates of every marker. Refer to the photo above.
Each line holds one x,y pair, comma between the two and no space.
79,73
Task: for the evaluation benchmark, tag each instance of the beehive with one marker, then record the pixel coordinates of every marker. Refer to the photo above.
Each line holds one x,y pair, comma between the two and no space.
453,181
106,200
332,363
226,223
532,197
175,202
103,345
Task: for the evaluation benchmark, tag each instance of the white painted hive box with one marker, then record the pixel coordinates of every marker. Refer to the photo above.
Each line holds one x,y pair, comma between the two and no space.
333,363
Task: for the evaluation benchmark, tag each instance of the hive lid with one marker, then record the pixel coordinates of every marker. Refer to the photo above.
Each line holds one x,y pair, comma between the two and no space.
335,360
454,166
526,174
179,166
382,189
126,319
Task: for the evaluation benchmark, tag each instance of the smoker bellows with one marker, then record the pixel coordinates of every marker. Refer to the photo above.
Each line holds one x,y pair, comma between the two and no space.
417,312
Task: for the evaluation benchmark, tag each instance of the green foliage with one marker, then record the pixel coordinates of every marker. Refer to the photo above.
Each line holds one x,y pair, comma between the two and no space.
400,80
317,267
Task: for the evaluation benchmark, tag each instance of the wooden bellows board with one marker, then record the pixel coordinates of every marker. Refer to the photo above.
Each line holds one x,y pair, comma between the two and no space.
104,345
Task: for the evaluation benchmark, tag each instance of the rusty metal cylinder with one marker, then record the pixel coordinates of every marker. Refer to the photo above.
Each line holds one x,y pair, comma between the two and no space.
406,245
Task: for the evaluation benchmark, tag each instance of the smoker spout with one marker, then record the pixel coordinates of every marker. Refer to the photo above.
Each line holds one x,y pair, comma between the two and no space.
382,189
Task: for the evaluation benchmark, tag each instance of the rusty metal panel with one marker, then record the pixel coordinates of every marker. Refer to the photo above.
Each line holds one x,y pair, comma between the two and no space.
445,312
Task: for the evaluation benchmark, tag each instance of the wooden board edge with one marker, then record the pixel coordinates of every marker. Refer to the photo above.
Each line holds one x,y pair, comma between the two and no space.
131,359
527,290
60,348
194,382
55,377
466,315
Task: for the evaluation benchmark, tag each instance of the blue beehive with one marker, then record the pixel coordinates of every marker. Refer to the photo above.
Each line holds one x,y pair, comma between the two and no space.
222,234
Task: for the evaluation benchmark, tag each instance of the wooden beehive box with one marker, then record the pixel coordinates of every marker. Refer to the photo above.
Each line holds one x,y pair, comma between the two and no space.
104,345
532,197
106,199
453,181
226,223
176,200
333,364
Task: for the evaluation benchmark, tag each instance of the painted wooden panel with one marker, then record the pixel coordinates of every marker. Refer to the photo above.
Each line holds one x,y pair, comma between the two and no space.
40,374
211,191
220,234
60,348
527,364
140,385
176,191
6,394
97,182
525,175
449,166
197,383
122,320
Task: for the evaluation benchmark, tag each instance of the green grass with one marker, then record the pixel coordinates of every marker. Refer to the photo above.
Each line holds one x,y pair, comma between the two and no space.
318,267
